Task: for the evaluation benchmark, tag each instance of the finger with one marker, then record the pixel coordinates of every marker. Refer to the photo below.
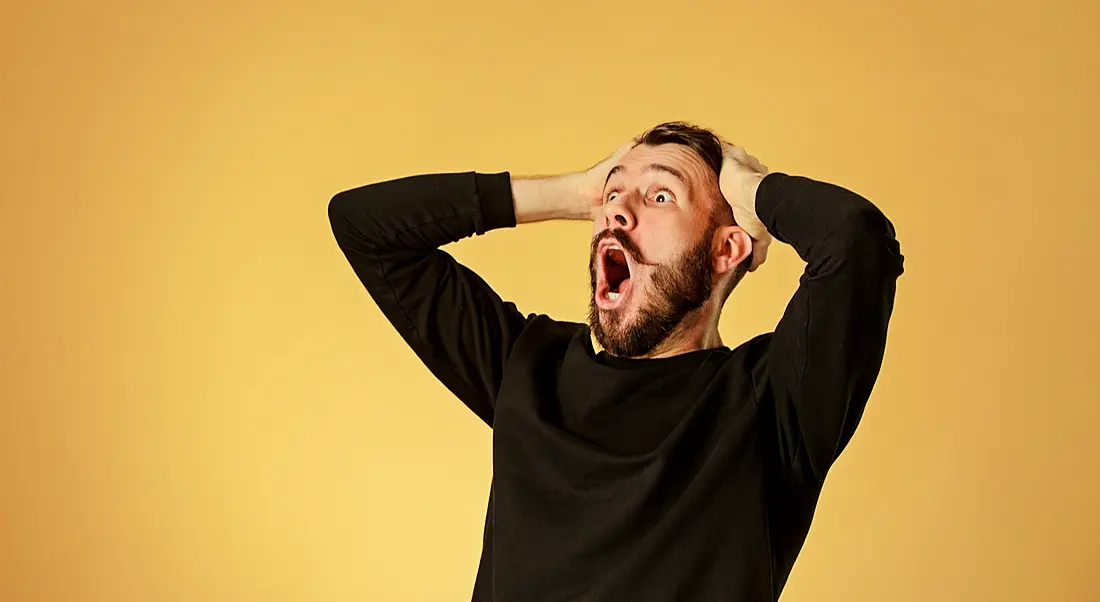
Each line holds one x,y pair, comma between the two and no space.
733,151
759,256
727,151
756,230
623,149
759,253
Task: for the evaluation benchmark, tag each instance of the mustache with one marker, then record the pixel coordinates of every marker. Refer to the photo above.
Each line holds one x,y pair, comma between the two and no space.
628,245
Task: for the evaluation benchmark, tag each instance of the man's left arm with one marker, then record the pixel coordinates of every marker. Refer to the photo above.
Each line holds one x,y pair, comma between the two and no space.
826,352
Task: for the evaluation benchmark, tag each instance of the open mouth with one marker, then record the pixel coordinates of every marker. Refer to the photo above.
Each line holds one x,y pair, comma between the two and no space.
615,284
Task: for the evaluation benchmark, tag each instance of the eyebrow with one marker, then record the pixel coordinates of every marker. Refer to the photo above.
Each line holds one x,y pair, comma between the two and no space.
651,167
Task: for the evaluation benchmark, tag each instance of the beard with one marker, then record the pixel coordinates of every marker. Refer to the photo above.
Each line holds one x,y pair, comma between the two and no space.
677,289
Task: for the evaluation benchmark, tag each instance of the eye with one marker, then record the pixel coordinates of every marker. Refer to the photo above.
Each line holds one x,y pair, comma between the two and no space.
663,196
611,196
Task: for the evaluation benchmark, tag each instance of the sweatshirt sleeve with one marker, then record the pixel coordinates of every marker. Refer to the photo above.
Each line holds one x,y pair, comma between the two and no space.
827,349
391,233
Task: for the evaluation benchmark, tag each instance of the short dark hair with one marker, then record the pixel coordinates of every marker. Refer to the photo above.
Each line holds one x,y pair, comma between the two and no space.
699,139
708,146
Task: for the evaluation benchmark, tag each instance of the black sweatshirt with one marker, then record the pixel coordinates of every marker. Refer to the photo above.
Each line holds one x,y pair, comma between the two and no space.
693,477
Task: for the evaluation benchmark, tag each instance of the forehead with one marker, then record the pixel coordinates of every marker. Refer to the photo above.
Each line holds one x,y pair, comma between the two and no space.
678,157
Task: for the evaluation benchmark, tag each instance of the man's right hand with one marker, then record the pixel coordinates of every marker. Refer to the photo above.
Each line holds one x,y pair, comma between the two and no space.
594,178
576,195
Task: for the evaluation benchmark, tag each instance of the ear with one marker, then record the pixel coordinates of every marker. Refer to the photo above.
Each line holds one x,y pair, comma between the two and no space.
733,245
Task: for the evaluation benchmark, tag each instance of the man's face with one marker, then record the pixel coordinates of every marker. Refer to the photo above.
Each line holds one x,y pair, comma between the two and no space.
650,262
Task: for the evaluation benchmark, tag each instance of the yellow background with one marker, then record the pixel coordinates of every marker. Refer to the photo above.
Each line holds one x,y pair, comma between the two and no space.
201,403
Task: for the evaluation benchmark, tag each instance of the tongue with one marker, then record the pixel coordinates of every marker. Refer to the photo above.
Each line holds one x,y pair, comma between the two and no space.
621,285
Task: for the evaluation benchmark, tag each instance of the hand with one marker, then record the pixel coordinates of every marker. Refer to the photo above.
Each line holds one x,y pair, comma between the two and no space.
738,180
575,195
592,180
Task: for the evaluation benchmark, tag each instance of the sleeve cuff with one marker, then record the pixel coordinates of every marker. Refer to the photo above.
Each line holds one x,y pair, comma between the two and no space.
494,193
768,198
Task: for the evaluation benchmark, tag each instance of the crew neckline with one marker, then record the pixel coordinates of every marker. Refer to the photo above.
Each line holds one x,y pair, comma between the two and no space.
614,361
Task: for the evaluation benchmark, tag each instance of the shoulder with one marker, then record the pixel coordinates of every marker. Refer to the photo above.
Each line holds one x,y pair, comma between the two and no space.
748,362
541,330
545,325
753,352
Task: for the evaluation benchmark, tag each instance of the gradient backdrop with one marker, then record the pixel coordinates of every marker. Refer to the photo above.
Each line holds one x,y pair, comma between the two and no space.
199,402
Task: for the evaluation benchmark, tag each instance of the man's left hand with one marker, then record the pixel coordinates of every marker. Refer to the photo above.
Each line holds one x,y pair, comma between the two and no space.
738,180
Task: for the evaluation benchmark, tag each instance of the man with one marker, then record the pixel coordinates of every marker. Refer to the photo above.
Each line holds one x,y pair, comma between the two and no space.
666,466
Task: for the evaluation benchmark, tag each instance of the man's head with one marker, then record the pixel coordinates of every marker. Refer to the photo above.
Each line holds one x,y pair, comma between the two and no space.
666,252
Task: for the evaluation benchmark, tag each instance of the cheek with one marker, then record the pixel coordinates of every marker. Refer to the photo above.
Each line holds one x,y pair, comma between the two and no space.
661,252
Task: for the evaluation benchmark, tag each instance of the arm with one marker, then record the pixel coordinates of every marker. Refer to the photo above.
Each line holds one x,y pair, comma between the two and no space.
827,350
391,233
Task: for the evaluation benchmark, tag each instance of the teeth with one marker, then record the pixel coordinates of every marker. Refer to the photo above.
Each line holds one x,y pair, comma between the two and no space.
612,296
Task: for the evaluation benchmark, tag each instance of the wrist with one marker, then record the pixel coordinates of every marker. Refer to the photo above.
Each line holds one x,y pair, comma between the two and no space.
587,191
751,187
561,197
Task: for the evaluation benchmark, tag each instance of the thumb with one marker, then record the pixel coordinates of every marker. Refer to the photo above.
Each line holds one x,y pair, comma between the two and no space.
759,253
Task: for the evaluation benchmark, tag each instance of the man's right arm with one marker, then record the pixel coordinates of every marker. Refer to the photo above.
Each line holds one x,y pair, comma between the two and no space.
391,233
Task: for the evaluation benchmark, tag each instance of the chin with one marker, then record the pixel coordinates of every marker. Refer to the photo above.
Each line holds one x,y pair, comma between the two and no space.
609,325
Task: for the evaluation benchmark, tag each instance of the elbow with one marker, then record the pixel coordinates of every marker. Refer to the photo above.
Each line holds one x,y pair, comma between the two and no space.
354,224
337,210
868,221
866,242
343,212
873,234
340,222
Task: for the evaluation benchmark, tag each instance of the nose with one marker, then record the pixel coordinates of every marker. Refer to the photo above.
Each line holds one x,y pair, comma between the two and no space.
618,214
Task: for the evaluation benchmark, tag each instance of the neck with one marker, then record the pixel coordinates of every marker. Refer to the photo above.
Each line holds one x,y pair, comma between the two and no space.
698,331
